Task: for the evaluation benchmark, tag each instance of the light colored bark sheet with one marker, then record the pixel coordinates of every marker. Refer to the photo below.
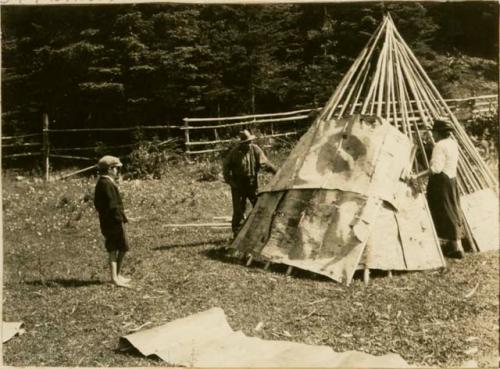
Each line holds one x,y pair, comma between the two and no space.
206,340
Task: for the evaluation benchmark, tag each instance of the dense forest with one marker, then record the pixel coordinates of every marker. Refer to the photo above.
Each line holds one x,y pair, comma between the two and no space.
120,65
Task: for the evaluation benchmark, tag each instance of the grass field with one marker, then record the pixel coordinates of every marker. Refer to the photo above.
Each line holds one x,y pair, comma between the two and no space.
56,282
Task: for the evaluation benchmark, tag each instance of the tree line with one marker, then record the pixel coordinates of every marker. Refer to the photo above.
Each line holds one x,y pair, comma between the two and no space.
126,65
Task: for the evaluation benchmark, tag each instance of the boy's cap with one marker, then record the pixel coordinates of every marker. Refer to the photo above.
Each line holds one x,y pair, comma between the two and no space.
246,136
108,161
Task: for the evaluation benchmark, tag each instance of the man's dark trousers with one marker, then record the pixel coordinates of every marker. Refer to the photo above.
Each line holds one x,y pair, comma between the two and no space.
240,193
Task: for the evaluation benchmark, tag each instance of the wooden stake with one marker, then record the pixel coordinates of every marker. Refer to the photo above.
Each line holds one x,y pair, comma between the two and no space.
186,134
366,276
289,270
249,261
46,146
268,264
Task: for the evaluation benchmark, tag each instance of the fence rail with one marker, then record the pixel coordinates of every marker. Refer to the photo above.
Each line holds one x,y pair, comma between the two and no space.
121,129
206,135
465,108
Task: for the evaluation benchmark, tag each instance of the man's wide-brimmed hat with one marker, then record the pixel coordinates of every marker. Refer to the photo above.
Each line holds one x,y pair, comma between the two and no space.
442,125
246,136
108,161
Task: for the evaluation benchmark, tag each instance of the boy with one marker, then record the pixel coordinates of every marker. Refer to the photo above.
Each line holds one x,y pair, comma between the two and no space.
108,202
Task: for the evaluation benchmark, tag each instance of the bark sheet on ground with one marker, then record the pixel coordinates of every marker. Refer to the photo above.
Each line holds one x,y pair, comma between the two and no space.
206,340
11,329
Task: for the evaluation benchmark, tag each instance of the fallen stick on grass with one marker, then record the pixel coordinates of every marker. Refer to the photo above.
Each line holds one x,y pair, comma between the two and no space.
472,292
140,327
222,225
226,218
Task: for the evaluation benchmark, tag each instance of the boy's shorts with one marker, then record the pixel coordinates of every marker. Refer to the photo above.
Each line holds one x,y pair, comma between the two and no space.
115,239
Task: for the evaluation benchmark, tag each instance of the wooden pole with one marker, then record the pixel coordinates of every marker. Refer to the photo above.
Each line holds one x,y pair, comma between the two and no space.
459,129
253,116
78,172
244,124
249,261
367,51
375,78
22,154
46,146
186,135
421,93
360,90
381,85
216,133
391,96
363,71
366,276
70,157
252,98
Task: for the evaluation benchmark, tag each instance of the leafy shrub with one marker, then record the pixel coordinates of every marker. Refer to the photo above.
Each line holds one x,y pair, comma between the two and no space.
149,161
209,171
483,129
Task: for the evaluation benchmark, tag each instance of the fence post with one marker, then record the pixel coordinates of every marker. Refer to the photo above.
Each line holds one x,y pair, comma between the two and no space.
46,146
218,122
186,134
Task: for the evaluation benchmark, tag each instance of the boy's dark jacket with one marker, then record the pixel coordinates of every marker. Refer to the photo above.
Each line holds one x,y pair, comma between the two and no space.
108,202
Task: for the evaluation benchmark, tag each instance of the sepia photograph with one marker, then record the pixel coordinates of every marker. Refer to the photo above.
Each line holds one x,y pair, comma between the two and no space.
250,184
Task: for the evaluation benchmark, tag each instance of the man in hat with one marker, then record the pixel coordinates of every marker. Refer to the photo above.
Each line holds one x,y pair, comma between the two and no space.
240,168
442,192
108,203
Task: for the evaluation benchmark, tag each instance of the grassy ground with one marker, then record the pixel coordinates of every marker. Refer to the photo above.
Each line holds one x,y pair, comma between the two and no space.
56,282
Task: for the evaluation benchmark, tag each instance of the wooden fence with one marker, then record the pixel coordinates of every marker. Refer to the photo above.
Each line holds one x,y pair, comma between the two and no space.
41,142
200,135
197,131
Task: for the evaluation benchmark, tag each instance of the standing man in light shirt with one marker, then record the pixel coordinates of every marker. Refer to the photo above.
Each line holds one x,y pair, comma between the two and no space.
442,191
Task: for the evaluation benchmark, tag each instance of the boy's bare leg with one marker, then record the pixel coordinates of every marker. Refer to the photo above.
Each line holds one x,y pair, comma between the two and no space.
113,265
119,263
